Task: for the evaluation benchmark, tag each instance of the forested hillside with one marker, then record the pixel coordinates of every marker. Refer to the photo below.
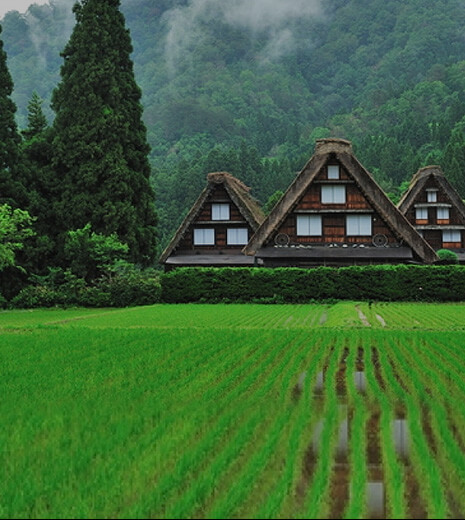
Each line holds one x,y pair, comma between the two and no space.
247,87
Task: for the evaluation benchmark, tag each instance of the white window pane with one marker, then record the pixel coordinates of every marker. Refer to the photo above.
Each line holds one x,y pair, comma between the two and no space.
443,213
309,225
352,225
237,236
220,211
451,236
333,171
339,194
365,225
358,225
333,194
432,196
421,214
204,237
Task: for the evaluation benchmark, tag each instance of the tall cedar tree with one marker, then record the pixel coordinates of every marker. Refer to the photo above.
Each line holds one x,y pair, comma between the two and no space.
12,189
100,145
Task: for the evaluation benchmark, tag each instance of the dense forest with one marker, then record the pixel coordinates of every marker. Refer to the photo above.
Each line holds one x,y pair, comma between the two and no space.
248,87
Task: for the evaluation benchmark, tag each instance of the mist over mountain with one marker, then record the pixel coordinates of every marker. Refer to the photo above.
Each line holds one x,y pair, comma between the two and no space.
389,76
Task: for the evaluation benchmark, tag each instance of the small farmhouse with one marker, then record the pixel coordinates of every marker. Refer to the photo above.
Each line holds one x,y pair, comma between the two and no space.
217,227
436,210
334,213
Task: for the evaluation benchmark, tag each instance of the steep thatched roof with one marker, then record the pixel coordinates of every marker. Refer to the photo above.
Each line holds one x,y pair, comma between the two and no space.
341,150
418,184
239,194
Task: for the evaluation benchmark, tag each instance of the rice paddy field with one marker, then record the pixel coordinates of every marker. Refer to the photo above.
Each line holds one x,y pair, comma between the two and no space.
349,410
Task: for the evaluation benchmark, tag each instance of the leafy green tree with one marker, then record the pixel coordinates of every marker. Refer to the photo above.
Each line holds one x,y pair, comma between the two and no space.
12,189
91,255
272,201
100,145
15,228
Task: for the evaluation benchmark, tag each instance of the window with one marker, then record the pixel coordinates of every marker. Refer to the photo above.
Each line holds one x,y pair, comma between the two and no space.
333,194
451,236
333,171
309,225
237,236
220,211
358,225
443,214
432,196
204,237
421,214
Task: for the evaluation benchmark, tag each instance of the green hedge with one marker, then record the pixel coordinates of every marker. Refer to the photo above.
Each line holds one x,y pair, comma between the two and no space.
119,292
261,285
294,285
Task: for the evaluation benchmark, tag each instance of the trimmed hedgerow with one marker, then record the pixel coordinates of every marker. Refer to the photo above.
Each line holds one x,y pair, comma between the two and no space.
294,285
120,291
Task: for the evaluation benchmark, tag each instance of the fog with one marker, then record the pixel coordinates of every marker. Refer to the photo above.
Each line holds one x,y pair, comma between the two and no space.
268,18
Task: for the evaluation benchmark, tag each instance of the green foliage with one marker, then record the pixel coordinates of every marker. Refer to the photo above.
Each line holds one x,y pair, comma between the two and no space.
100,151
15,228
447,256
394,73
129,286
91,255
234,386
272,201
12,187
37,122
294,285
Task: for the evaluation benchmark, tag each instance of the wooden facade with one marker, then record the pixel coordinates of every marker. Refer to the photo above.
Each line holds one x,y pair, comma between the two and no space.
217,228
435,209
334,213
334,222
206,220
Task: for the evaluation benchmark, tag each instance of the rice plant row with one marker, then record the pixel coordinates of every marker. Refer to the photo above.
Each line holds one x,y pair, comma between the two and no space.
298,422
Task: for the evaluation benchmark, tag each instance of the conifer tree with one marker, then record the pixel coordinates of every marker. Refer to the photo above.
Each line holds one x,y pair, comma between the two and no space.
37,122
100,144
454,159
12,190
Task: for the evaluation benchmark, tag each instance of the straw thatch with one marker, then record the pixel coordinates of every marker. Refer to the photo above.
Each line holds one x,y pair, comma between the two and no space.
239,194
341,150
427,176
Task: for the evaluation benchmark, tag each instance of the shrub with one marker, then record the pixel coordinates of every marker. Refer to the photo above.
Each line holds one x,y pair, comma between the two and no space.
130,286
297,285
447,256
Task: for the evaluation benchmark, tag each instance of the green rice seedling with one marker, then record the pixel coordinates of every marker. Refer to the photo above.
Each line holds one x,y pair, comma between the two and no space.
423,462
449,455
211,434
286,488
357,448
393,470
200,492
316,500
267,490
342,314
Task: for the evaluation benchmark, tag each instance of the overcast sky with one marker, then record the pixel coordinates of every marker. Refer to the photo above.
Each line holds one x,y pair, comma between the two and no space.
17,5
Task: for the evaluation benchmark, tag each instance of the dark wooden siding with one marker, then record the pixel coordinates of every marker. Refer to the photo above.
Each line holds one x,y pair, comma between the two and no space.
333,215
218,195
434,236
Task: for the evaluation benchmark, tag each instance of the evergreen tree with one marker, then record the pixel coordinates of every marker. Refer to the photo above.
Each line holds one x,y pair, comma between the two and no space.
454,159
100,145
37,122
12,190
